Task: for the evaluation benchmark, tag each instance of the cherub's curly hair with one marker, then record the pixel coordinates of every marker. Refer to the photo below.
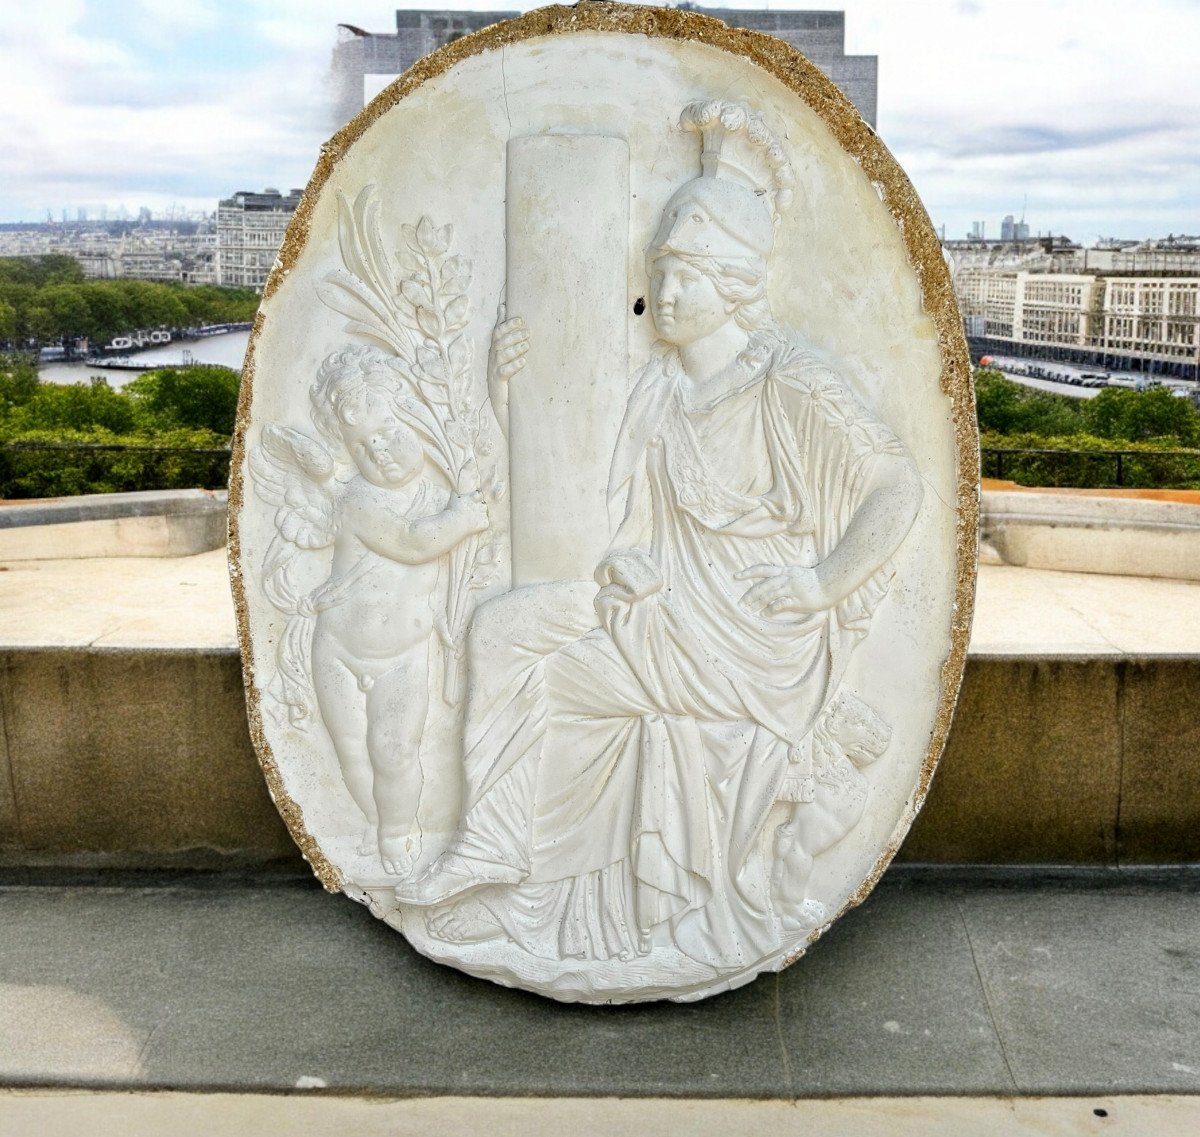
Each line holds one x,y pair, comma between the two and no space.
346,373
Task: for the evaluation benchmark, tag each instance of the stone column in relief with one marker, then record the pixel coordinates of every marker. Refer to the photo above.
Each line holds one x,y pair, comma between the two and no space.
568,238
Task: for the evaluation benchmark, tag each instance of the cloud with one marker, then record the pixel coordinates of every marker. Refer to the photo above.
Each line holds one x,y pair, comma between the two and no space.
1021,139
1073,103
101,103
1086,106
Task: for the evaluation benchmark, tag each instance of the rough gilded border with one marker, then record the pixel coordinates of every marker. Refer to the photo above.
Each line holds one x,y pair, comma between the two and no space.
924,254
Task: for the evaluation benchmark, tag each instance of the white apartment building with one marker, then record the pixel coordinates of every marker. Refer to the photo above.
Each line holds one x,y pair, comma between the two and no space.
1129,322
250,229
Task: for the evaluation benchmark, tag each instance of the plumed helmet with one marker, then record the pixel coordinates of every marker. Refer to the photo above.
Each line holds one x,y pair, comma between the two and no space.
731,210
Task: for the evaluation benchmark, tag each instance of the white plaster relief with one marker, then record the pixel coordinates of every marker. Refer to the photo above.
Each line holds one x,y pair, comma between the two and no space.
585,616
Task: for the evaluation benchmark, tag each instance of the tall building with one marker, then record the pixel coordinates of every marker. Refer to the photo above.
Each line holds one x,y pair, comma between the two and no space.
250,229
1012,230
365,62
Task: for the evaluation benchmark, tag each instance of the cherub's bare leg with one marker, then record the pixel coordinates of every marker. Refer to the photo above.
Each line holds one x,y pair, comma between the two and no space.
344,712
809,831
793,864
396,706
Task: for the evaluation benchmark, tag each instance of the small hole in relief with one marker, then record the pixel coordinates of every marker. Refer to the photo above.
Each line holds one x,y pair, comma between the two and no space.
639,305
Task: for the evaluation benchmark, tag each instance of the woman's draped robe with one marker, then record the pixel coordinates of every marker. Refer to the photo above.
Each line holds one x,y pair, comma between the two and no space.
618,777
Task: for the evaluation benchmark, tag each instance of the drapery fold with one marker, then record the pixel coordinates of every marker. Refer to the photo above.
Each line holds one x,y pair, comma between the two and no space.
621,774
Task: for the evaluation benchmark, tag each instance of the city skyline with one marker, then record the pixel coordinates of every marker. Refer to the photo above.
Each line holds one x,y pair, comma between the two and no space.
1085,110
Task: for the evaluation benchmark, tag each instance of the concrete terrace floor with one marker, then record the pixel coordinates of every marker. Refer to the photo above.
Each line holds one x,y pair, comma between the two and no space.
185,602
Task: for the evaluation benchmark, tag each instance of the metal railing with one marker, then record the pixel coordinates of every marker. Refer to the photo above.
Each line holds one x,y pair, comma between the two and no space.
46,469
169,467
1159,469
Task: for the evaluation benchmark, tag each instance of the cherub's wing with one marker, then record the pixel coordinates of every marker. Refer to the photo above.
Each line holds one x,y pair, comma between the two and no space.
293,471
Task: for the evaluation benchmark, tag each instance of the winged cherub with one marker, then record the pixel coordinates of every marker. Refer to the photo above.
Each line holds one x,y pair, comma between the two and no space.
364,631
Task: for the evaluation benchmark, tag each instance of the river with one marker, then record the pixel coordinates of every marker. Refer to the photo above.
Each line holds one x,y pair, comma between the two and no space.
228,350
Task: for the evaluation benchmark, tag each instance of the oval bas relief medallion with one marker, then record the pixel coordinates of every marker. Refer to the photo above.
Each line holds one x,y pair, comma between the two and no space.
604,506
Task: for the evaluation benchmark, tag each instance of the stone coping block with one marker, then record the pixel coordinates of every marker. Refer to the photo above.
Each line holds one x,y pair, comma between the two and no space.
118,1113
142,758
942,983
1088,533
154,523
1113,536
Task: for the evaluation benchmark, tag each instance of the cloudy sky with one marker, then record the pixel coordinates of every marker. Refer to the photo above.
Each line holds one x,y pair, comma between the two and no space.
1088,108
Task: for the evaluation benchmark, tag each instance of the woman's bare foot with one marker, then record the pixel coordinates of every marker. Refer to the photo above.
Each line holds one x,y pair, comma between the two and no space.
467,922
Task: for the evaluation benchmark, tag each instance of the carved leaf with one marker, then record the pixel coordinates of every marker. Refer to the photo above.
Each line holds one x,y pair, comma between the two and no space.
346,294
460,354
412,291
354,239
456,273
434,391
431,240
430,360
378,336
372,253
456,313
429,321
410,264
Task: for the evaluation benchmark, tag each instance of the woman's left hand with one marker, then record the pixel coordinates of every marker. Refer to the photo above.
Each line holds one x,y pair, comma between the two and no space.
781,589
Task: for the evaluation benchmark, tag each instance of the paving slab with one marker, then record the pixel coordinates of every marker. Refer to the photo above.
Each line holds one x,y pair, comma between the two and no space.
185,603
1090,987
118,602
1039,612
941,983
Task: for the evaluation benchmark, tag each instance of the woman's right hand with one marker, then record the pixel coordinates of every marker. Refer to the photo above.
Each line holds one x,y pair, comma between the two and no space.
625,578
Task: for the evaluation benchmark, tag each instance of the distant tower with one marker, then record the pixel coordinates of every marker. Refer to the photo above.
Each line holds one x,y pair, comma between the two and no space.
1008,229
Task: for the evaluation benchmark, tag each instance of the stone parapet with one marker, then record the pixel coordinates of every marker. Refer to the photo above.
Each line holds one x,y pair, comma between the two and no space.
142,758
1096,533
152,523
